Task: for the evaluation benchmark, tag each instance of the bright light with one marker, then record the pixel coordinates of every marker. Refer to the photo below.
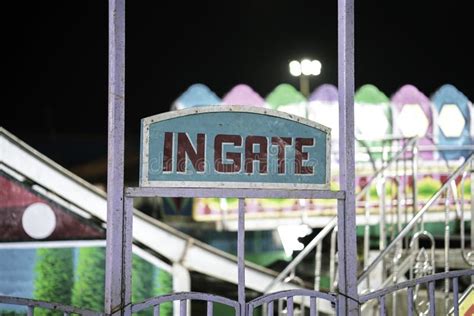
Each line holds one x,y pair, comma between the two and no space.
306,67
371,121
289,235
412,121
451,121
316,67
295,68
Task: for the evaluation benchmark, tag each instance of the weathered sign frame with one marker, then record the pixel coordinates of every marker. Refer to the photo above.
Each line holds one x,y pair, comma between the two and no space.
145,141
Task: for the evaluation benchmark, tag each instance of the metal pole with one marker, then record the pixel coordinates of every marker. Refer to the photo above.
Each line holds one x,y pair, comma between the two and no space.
347,243
115,277
241,256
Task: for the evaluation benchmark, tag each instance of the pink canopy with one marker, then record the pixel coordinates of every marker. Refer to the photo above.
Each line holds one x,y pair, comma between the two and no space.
410,95
243,95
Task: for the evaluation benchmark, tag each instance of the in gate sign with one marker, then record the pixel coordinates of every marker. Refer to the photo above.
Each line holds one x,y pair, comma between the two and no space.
234,146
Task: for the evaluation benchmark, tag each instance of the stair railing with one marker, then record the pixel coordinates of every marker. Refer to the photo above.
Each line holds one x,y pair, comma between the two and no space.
409,145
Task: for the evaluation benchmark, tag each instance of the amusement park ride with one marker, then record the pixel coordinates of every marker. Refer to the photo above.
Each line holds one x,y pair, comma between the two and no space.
387,183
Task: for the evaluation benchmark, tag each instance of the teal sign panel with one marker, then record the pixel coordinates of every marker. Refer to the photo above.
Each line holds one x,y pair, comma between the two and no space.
234,146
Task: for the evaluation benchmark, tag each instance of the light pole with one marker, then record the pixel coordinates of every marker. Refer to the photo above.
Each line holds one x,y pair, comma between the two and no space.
304,69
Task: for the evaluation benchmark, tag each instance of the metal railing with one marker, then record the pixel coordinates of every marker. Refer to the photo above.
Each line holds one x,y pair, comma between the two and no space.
409,227
32,304
410,286
409,145
183,298
267,301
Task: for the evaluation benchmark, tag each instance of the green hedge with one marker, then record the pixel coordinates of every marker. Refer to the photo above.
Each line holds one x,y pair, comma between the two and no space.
88,290
54,277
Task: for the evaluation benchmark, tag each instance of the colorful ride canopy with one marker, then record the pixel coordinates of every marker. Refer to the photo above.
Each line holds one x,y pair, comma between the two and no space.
323,108
242,94
196,95
453,126
373,119
412,116
287,99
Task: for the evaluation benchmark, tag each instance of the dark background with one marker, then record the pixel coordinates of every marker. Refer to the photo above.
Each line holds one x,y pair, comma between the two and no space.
56,64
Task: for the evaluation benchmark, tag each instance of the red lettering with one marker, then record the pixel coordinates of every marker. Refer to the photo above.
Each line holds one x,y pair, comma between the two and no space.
196,156
251,156
168,152
300,155
233,166
282,142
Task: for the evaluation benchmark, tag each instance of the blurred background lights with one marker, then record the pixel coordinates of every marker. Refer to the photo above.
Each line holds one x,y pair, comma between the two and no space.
295,68
451,121
306,67
413,121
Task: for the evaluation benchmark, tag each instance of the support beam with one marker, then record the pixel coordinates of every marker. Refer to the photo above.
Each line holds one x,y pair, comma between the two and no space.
347,244
181,283
117,292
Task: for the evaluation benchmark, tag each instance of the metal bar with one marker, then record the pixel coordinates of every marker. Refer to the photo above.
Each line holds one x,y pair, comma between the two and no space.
182,308
156,310
382,305
289,306
210,309
175,297
313,311
410,301
250,313
382,224
411,283
413,221
367,233
317,266
270,309
127,232
456,296
241,255
347,243
332,260
31,311
431,294
414,166
447,244
114,300
235,193
31,304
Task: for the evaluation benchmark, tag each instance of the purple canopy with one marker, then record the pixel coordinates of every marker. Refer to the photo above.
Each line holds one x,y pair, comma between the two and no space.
243,95
324,93
410,95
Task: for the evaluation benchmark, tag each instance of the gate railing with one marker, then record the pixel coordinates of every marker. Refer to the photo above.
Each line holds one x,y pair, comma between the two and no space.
410,287
267,301
32,304
183,297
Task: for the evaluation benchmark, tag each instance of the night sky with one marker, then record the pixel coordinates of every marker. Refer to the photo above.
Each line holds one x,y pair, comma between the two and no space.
57,57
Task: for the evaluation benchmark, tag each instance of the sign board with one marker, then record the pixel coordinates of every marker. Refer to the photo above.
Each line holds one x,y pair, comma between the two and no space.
234,147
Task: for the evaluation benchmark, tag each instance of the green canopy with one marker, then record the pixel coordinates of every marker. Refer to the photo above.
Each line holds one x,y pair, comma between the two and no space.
284,94
370,94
